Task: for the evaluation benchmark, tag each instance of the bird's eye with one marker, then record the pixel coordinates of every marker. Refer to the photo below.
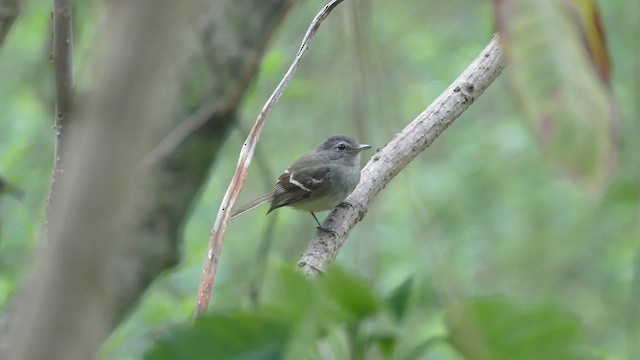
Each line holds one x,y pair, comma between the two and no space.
341,146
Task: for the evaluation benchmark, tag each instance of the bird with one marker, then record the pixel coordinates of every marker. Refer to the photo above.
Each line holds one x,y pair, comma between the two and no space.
319,180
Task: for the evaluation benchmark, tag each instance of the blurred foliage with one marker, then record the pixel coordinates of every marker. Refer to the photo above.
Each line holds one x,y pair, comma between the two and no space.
499,329
481,221
571,108
296,322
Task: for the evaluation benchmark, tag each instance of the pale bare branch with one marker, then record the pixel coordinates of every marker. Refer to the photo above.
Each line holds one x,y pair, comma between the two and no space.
400,151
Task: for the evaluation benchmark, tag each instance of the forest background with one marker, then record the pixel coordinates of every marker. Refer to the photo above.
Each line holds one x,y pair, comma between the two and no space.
484,215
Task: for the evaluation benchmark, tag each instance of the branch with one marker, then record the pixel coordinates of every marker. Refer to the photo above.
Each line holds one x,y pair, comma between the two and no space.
63,57
216,237
400,151
63,76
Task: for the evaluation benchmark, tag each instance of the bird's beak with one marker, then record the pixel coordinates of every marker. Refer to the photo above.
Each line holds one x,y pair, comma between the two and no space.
361,147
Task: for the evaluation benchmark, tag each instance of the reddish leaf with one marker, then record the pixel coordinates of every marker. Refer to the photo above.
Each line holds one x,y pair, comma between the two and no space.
560,71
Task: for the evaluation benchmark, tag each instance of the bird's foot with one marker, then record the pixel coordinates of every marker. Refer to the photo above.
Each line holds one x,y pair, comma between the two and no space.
346,204
327,230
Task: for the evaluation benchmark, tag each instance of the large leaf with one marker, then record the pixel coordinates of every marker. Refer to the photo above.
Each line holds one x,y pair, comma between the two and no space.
497,329
560,72
297,297
241,335
297,312
305,304
352,293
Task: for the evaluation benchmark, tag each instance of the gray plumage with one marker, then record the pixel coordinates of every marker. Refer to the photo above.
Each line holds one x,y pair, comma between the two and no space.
319,180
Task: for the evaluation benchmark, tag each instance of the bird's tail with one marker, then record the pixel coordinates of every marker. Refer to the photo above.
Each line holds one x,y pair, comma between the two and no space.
264,198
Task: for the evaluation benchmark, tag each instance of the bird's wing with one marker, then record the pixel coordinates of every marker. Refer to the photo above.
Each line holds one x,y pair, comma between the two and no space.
293,187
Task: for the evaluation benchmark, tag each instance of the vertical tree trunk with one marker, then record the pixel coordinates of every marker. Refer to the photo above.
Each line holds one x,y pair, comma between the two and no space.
117,223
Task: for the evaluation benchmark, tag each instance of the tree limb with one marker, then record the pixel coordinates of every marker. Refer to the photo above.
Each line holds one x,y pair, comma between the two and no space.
400,151
64,88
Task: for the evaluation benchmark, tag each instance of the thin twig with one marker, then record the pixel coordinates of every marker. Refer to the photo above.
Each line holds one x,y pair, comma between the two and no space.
261,260
63,57
216,237
64,86
266,239
400,151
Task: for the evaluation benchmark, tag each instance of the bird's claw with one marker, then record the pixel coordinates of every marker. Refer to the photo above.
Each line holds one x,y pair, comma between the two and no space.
327,230
346,204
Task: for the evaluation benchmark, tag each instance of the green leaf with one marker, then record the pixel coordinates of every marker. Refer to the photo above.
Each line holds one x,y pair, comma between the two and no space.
419,351
291,290
498,329
559,69
399,299
10,189
352,293
297,297
237,336
386,343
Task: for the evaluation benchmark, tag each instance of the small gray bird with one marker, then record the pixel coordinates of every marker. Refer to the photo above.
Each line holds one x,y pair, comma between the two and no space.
317,181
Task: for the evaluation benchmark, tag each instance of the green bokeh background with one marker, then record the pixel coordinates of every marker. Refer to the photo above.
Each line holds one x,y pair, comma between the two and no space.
482,212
